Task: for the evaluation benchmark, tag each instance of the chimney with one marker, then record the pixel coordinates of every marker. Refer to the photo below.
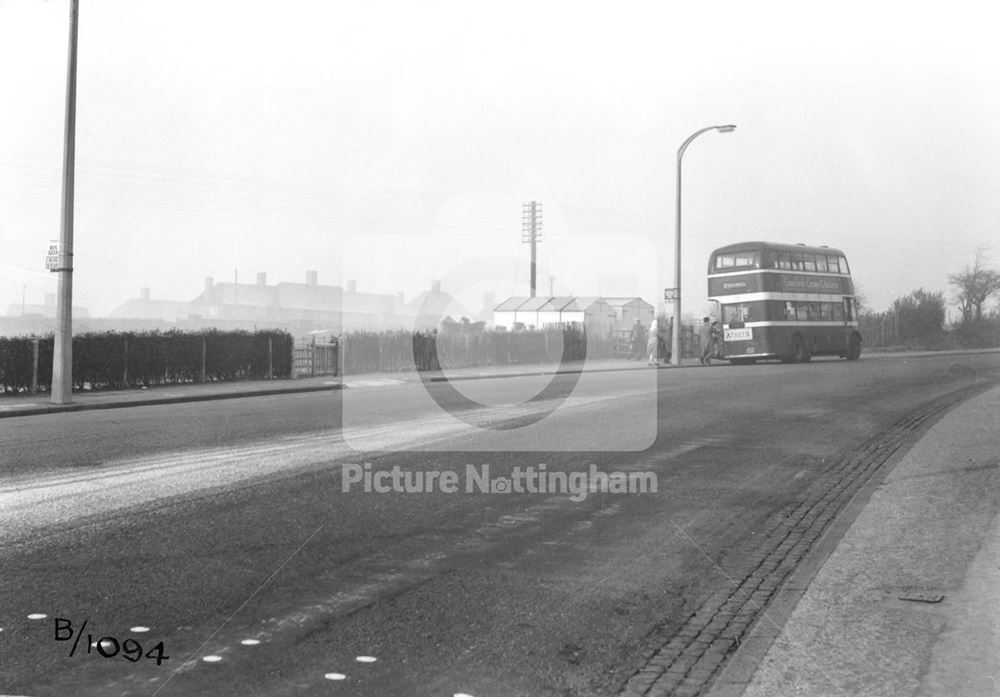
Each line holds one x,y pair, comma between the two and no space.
435,287
261,278
311,278
400,297
209,282
352,286
144,293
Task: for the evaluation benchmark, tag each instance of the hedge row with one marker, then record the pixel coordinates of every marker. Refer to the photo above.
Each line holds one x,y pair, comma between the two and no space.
116,360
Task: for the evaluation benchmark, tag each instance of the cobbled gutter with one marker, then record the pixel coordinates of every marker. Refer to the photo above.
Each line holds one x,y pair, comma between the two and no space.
688,662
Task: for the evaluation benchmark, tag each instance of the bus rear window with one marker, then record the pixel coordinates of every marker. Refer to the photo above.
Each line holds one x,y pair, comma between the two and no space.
737,260
801,261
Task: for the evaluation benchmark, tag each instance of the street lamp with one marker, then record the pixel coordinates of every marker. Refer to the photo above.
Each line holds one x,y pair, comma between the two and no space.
62,351
675,347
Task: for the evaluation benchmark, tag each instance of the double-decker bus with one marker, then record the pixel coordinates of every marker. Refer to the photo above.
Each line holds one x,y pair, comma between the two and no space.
783,301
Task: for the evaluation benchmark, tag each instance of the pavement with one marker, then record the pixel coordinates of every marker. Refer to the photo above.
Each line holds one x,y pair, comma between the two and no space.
34,404
907,602
901,597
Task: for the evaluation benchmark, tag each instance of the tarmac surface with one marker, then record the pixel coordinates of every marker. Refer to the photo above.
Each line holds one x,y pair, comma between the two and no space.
901,595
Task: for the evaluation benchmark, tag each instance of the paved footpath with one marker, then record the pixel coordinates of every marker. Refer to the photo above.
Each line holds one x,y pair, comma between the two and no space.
28,405
908,603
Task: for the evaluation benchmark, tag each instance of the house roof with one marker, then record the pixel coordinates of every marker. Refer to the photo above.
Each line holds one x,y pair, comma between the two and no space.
305,296
144,308
17,309
532,304
512,303
584,303
621,302
556,304
368,303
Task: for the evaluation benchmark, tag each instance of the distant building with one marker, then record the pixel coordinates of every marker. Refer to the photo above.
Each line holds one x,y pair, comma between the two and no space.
520,312
145,307
430,307
300,308
627,310
46,311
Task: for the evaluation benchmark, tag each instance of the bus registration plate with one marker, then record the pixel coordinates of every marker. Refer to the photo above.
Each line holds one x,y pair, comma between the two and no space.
741,334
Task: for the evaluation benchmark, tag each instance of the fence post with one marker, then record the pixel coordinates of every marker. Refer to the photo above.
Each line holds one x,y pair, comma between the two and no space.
125,363
270,353
34,367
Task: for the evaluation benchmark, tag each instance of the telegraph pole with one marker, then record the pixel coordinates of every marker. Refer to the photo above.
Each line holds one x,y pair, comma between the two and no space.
531,226
62,355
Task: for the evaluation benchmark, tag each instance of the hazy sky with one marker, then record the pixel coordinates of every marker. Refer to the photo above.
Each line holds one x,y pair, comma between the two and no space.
394,142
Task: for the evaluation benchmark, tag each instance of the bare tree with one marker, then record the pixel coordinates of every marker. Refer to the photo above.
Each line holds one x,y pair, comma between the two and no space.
974,286
860,299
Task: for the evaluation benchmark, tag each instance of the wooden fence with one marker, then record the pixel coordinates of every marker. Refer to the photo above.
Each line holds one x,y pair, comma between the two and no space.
374,352
879,329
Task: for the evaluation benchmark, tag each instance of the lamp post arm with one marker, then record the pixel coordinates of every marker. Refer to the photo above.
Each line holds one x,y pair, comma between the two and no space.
686,143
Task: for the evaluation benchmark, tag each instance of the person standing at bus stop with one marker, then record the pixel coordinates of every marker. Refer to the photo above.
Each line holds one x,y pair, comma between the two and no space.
636,339
705,339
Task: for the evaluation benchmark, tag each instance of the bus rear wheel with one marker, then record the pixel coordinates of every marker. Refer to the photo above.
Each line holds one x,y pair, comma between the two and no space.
854,347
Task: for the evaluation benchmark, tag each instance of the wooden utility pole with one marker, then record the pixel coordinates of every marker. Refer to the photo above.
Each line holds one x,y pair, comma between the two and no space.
531,226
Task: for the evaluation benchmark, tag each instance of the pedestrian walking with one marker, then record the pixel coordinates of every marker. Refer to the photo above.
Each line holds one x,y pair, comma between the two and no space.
653,344
705,338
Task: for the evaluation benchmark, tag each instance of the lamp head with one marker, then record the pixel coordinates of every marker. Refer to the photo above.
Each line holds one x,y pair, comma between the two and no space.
729,128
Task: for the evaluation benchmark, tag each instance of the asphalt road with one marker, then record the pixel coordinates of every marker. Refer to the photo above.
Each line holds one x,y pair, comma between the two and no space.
217,523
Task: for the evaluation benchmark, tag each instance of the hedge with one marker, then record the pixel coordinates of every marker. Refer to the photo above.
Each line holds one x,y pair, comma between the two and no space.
117,360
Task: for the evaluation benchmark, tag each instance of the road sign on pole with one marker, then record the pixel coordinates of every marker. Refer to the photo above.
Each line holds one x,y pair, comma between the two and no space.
670,294
52,258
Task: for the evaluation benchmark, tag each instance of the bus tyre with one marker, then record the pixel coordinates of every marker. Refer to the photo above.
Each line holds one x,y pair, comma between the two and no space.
797,352
854,347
